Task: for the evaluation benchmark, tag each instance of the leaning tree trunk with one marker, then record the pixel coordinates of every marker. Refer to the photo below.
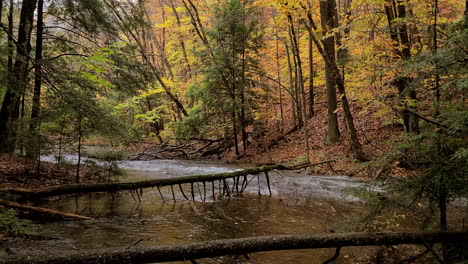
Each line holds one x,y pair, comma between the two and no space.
9,112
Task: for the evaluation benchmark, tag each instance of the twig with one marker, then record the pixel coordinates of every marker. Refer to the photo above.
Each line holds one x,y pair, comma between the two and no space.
334,257
134,243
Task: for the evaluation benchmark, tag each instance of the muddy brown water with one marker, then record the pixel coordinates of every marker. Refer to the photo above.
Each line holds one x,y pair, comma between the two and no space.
300,204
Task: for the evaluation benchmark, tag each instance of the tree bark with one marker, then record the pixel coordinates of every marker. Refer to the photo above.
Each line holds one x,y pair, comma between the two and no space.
34,122
1,11
9,112
311,74
278,75
291,88
395,11
297,85
10,41
327,14
241,246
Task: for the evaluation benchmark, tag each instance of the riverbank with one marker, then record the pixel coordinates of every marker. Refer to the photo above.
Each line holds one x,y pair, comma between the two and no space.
22,172
377,134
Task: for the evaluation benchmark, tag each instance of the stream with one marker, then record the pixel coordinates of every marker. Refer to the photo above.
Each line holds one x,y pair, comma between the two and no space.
300,204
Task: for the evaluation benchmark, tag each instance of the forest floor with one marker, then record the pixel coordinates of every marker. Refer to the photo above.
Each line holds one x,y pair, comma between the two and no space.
25,173
377,133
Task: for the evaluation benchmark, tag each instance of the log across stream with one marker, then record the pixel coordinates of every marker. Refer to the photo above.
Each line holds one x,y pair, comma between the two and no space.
240,183
301,204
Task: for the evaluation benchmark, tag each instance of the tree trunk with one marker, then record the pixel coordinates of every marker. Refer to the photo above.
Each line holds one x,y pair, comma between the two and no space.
291,88
34,122
396,15
1,11
80,134
311,75
327,13
278,75
10,41
329,9
241,246
295,91
300,72
243,103
10,108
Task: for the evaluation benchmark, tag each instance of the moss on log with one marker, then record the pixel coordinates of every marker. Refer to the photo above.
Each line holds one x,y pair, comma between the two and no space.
241,246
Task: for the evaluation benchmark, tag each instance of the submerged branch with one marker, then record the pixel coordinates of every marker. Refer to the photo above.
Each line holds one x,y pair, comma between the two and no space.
40,210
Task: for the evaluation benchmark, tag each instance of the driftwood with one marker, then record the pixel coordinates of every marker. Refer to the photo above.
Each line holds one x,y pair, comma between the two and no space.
188,149
242,246
50,212
113,187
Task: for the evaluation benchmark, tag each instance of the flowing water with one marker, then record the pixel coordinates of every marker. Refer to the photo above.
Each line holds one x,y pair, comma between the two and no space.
300,204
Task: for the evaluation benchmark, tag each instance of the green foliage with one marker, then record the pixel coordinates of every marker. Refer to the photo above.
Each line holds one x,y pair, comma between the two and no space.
235,38
88,14
12,225
109,155
198,122
439,152
298,161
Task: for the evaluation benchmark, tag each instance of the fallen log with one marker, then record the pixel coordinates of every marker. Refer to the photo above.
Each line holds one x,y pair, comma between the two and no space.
241,246
113,187
41,210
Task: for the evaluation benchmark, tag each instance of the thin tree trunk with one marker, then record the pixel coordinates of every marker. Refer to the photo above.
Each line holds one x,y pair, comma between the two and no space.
80,134
311,75
298,69
234,124
291,87
34,122
10,42
21,125
242,95
1,11
278,73
295,89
